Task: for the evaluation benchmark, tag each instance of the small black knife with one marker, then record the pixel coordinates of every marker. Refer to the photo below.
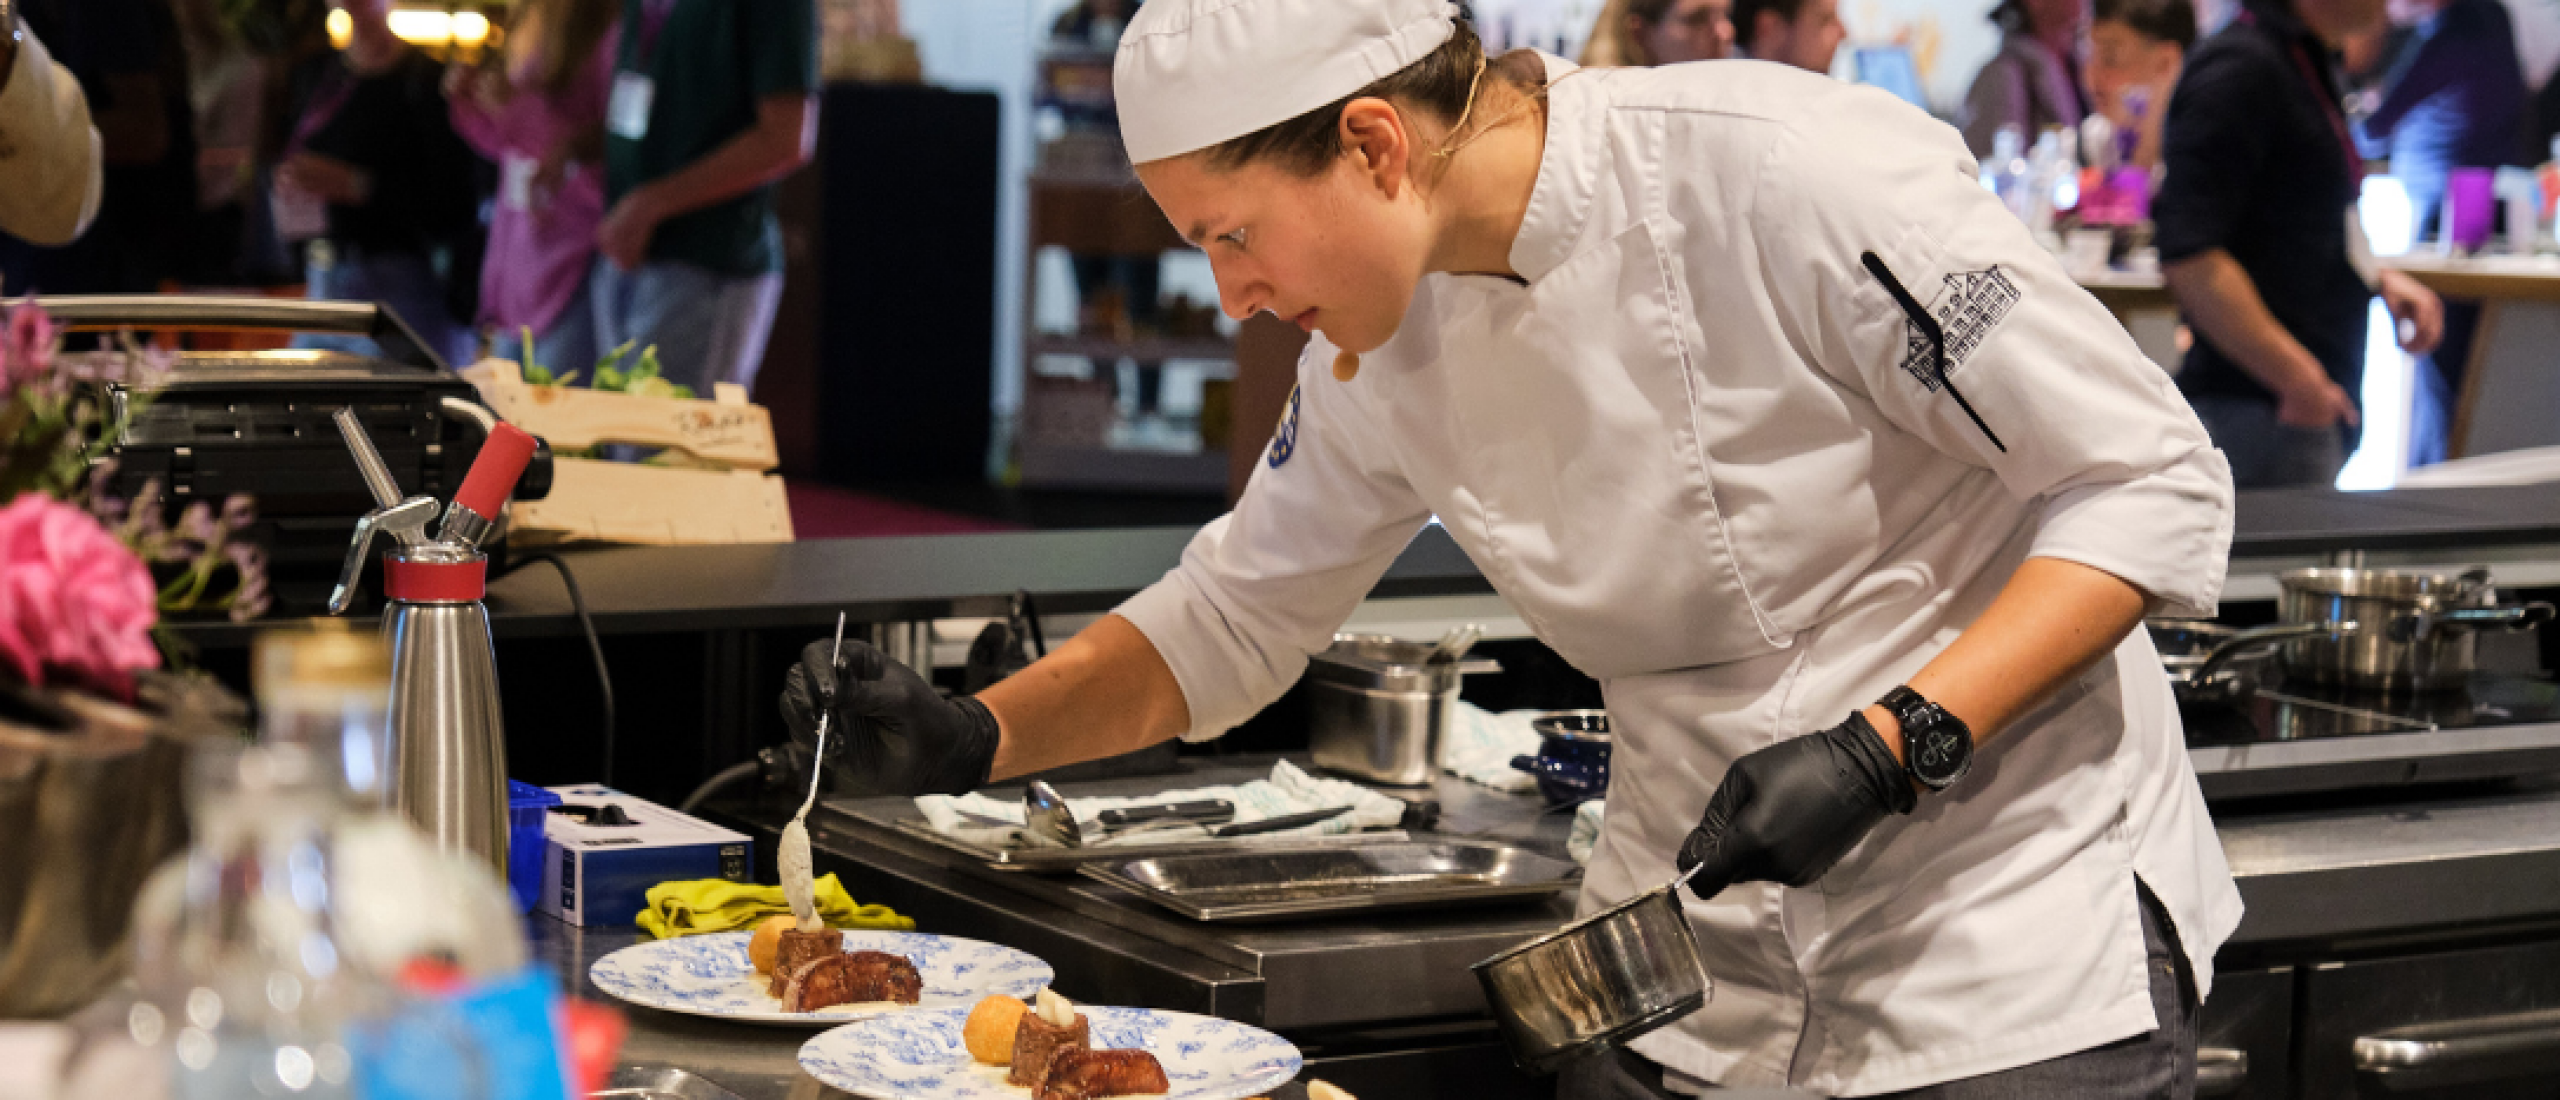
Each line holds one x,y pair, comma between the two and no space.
1275,824
1206,812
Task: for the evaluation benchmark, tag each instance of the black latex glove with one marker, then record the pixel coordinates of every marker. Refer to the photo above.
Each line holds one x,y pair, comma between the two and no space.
892,732
1786,813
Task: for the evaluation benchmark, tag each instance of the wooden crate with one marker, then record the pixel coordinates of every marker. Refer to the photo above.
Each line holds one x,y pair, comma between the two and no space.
726,496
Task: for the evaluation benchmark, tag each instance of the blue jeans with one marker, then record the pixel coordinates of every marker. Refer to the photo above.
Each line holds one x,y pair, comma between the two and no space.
404,281
568,345
2266,454
708,327
2160,1063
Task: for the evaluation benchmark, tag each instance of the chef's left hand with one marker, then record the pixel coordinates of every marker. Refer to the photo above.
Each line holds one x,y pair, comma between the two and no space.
1786,813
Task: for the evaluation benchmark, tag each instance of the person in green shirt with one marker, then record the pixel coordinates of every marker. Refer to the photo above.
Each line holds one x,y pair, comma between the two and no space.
713,102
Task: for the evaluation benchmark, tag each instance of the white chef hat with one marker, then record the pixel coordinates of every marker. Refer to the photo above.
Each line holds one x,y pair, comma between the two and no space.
1194,73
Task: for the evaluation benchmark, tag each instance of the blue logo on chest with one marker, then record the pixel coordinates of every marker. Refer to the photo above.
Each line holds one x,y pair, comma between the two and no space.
1284,442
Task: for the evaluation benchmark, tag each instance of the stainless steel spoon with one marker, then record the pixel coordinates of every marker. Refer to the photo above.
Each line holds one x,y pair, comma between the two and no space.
1045,813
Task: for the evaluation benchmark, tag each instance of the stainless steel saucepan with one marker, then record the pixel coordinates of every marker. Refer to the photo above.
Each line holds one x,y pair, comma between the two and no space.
1598,982
2428,632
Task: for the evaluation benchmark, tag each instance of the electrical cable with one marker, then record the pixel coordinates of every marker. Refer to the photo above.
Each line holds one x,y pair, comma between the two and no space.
595,646
720,780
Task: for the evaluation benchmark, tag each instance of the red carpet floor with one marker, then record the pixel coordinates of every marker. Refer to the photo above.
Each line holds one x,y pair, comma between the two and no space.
826,512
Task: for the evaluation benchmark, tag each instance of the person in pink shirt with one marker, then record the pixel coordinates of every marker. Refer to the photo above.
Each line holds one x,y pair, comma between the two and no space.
540,116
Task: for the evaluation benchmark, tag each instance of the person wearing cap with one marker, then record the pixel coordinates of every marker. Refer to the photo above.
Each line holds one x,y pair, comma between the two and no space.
1751,402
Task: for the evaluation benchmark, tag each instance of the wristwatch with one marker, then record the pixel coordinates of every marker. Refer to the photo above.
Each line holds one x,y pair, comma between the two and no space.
1937,749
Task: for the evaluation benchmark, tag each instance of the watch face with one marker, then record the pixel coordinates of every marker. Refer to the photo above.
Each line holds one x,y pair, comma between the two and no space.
1939,750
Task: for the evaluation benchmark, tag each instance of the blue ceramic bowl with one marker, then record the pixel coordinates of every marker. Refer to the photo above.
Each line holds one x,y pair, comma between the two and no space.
1572,764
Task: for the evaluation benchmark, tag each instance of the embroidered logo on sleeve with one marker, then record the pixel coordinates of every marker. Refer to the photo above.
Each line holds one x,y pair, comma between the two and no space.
1284,442
1974,304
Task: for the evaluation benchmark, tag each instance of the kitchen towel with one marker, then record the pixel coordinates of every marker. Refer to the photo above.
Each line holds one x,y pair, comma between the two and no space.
1480,746
997,823
1586,830
694,906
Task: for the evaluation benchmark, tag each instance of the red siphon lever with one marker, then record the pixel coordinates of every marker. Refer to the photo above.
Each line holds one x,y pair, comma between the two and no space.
493,476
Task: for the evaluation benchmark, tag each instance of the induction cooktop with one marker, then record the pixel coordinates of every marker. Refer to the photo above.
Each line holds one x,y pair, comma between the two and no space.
2294,738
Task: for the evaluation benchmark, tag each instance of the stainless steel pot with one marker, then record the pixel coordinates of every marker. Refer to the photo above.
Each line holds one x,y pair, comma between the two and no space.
1378,707
2421,630
1598,982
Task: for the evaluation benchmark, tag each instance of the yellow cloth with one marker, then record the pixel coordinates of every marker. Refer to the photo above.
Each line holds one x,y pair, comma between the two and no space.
695,906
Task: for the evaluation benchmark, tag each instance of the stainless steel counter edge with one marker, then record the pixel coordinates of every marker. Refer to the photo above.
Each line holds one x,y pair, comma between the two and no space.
2397,868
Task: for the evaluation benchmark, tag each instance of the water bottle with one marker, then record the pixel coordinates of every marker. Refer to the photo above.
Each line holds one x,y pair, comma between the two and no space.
2005,173
269,957
240,949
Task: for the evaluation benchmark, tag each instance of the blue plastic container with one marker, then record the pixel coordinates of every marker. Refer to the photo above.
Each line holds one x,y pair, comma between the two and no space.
528,806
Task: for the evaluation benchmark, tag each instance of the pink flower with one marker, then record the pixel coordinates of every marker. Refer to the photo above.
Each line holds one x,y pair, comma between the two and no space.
76,606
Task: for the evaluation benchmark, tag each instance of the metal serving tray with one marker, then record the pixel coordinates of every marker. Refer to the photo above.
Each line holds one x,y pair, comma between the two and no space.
644,1082
1067,860
1312,882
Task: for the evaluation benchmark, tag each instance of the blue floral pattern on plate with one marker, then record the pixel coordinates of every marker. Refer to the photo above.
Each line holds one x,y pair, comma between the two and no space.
708,975
918,1055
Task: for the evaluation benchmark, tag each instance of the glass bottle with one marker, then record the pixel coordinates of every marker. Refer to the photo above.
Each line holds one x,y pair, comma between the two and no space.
264,955
239,948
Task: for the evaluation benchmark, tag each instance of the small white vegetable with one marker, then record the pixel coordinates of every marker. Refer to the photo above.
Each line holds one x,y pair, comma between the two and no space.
1057,1010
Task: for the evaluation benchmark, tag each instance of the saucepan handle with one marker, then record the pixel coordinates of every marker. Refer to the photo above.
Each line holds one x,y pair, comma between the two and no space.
2418,624
2257,638
1539,765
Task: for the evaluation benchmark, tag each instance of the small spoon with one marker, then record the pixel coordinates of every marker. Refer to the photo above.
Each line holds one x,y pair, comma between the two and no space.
1045,812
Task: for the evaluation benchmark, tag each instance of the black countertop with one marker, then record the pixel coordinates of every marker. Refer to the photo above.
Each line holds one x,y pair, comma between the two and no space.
804,584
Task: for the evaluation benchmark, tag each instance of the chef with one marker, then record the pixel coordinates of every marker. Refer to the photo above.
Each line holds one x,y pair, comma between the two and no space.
1756,407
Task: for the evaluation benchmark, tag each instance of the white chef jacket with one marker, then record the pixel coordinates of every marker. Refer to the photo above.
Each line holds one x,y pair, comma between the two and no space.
1697,454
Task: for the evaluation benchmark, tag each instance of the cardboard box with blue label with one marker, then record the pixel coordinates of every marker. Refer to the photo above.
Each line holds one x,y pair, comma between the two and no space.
608,848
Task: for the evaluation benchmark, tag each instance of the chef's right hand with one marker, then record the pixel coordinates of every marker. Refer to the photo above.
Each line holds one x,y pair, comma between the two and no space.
892,733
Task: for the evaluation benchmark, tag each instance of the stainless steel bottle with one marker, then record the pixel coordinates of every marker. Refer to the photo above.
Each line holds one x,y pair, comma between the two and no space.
447,757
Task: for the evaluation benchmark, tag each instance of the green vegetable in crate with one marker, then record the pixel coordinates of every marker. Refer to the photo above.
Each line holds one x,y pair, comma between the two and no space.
641,379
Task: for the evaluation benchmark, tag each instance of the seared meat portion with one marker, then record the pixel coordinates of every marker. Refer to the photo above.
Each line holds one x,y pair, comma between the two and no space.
861,977
881,976
1079,1074
798,948
1037,1041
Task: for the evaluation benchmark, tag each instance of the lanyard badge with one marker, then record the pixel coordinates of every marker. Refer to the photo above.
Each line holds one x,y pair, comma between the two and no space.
626,115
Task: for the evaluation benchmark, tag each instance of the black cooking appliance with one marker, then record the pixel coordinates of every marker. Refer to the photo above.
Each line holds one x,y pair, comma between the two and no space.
258,422
2291,737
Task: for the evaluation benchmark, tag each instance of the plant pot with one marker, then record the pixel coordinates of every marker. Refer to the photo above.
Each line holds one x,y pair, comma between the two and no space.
90,804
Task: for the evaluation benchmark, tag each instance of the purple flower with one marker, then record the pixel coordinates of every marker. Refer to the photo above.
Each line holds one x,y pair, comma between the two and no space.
26,353
249,600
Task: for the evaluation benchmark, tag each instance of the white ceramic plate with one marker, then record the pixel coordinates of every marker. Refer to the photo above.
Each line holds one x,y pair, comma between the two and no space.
918,1056
708,975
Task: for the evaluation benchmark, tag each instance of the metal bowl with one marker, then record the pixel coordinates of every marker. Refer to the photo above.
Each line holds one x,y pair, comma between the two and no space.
1596,983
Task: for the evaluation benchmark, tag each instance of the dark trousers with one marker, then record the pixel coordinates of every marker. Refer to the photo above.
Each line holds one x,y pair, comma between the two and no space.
2156,1065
